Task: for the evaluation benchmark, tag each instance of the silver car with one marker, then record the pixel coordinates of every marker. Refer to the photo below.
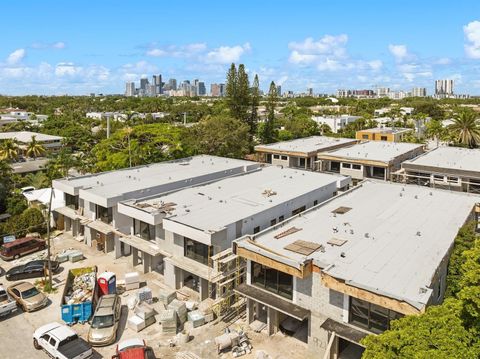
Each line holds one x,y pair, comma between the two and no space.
104,323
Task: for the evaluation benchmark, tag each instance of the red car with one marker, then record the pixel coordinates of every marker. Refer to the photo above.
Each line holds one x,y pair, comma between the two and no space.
20,247
133,349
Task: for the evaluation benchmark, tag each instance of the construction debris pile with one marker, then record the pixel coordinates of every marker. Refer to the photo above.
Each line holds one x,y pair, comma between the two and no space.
236,340
81,289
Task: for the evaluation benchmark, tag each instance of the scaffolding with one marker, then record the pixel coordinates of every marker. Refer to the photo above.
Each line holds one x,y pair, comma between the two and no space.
228,271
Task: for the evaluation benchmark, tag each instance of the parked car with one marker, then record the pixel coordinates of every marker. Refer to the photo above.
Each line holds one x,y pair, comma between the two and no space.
33,269
20,247
27,296
104,323
61,342
133,349
7,304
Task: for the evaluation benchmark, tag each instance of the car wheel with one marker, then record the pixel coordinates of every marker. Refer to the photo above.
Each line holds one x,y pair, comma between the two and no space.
16,256
36,345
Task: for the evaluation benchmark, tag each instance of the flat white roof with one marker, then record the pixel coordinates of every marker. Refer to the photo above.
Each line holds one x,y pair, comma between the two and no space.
391,246
26,136
214,206
392,130
383,151
306,144
453,158
178,173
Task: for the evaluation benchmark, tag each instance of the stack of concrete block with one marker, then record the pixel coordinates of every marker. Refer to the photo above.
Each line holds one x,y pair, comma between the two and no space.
168,320
205,307
180,308
132,280
145,295
165,296
136,323
196,318
144,311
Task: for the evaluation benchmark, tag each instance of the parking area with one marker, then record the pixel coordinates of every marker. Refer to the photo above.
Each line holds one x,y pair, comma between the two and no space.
16,330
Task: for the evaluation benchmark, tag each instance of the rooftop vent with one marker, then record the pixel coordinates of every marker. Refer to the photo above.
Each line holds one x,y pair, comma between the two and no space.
343,255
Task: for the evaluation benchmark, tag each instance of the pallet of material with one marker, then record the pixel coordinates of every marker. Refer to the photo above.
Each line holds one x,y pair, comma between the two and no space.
168,320
180,308
166,296
196,318
144,311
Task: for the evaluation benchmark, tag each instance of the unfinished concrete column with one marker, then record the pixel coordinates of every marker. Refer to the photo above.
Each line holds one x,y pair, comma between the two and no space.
250,311
271,321
117,248
169,273
135,256
147,262
203,288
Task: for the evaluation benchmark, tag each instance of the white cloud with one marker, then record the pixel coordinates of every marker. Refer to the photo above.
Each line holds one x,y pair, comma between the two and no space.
157,53
472,33
58,45
443,61
67,69
16,56
400,52
227,54
281,80
177,50
375,64
327,45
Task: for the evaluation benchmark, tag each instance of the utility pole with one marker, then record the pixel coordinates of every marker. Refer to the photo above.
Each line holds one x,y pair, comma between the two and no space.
108,126
49,252
185,119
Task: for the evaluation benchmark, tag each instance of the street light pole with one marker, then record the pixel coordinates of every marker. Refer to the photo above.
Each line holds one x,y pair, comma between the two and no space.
49,253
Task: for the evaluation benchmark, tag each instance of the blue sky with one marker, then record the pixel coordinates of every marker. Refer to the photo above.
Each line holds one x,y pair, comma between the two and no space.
78,47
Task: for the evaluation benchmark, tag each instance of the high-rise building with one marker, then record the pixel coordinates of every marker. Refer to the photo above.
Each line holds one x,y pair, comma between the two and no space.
157,82
143,84
279,90
419,92
201,89
217,90
172,84
151,90
310,91
443,87
130,89
383,91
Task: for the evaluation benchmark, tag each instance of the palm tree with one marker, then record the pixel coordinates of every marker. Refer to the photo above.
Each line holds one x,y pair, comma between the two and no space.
35,148
9,149
466,128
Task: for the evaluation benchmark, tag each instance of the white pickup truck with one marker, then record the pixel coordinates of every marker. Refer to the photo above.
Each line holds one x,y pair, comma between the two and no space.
61,342
7,304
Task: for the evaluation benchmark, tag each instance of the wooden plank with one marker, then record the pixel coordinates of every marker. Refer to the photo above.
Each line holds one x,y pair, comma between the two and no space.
383,301
287,232
256,257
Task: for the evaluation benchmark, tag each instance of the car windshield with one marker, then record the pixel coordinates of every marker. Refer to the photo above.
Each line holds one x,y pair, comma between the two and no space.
102,321
30,293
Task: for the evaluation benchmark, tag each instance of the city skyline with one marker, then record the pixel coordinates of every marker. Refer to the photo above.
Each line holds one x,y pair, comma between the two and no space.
323,46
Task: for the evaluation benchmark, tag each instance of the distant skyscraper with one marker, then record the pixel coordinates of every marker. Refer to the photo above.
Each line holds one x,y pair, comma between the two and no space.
201,89
130,89
444,87
172,84
383,91
279,90
217,90
151,90
419,92
310,91
157,82
143,84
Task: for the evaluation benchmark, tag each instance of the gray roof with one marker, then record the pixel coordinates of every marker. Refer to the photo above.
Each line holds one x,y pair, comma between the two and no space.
393,245
307,144
214,206
383,151
454,158
163,176
26,136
